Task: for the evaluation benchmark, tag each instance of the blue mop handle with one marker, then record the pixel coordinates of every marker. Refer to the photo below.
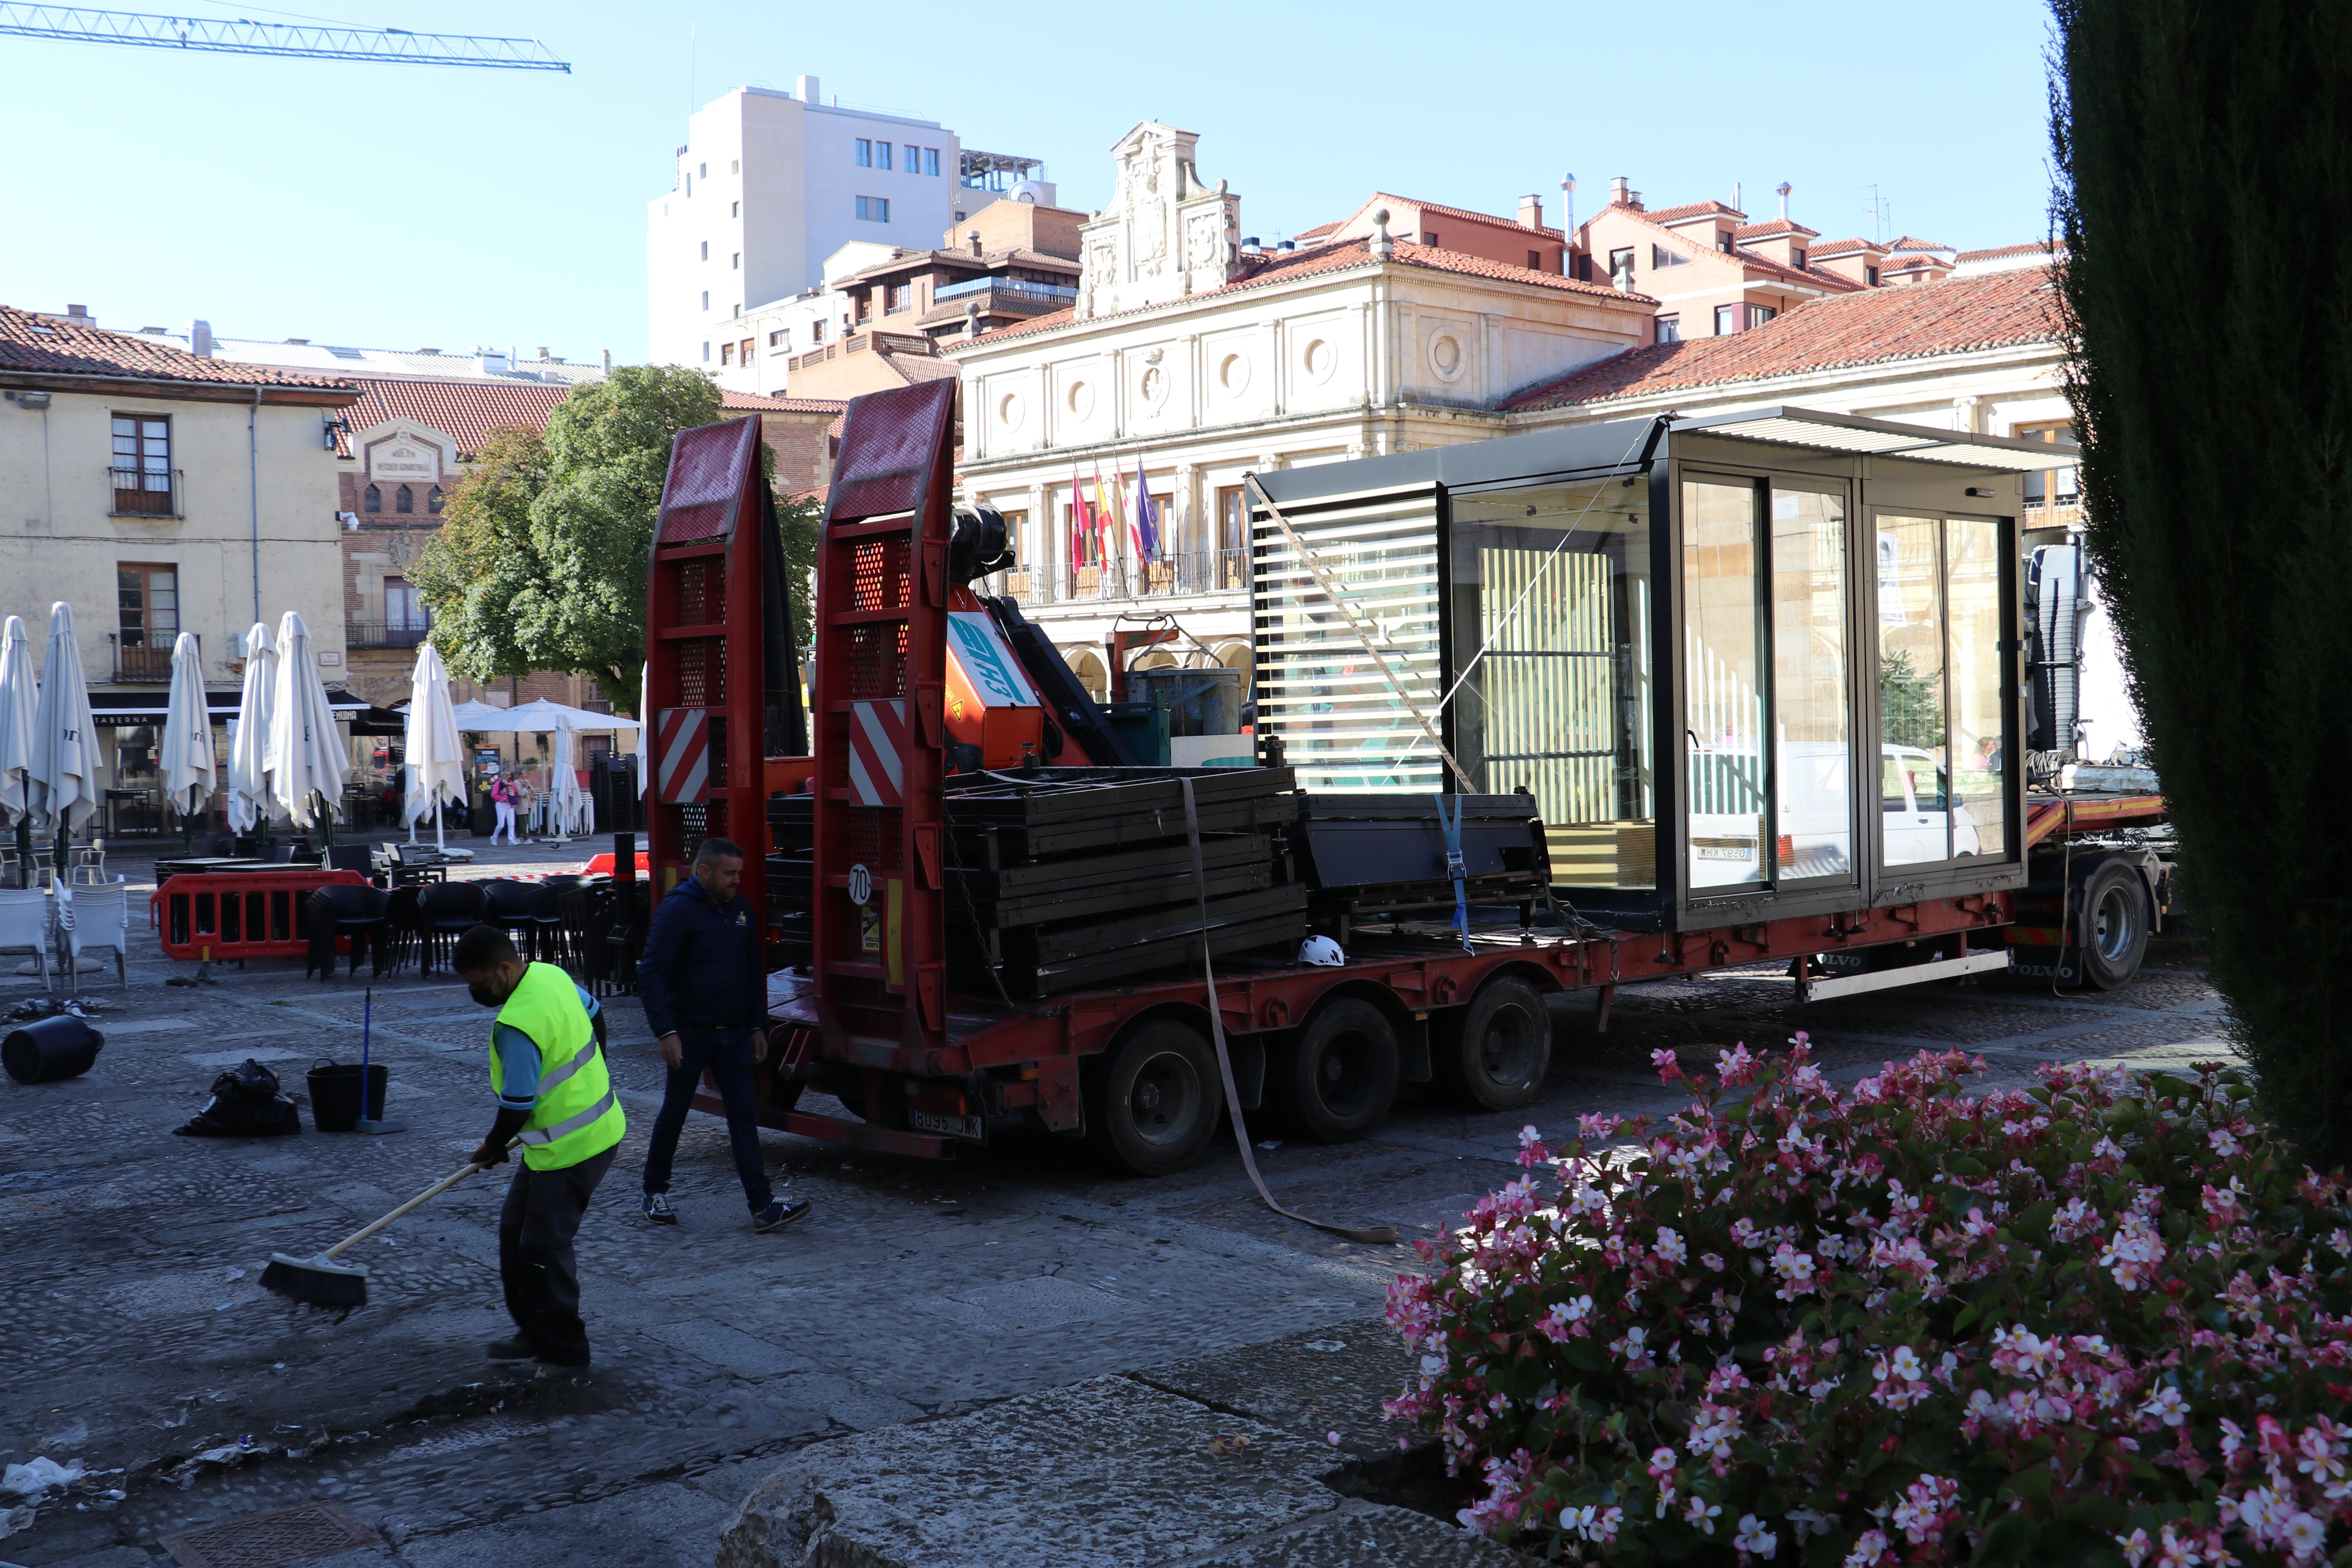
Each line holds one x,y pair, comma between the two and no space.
367,1028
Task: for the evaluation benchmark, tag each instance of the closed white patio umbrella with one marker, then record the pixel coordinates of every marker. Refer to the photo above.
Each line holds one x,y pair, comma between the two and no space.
187,765
20,697
571,811
432,754
248,750
306,754
64,767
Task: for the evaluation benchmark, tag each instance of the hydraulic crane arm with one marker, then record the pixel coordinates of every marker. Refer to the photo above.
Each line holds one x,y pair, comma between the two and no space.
242,38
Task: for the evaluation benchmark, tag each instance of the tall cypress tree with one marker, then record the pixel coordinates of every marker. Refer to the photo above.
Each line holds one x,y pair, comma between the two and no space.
2205,160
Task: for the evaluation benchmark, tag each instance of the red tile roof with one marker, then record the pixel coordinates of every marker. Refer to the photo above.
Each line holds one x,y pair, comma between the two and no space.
1768,230
745,402
2003,252
1909,243
1464,214
1844,246
1688,212
465,411
49,346
1284,267
1871,327
1317,232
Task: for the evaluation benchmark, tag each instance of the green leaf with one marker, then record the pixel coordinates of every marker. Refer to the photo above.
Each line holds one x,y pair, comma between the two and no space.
2006,1540
2027,1486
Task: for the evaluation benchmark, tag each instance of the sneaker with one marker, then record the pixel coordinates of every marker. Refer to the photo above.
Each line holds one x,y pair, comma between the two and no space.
779,1214
657,1209
515,1349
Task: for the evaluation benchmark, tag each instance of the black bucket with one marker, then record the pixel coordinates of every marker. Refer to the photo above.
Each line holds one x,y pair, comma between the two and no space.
59,1047
335,1095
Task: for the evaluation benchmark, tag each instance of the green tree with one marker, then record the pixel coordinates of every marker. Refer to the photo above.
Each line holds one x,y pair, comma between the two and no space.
541,561
1910,703
2203,154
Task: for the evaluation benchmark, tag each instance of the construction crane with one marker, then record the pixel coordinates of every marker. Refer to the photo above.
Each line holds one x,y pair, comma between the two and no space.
242,38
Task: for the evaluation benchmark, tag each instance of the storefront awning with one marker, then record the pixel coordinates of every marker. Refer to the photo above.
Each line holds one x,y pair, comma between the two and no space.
121,709
1881,437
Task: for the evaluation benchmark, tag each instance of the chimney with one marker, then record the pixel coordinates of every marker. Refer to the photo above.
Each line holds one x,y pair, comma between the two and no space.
1567,203
804,88
1782,190
543,351
972,238
200,339
1619,193
1531,211
78,313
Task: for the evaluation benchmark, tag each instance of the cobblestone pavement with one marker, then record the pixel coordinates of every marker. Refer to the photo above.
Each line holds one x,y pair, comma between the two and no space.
135,1337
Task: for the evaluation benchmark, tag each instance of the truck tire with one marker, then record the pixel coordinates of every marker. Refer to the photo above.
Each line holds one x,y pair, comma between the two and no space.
1337,1080
1152,1099
2111,925
1499,1049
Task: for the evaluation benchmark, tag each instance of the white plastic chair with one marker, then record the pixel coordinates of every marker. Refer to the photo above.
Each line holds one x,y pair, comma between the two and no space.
89,867
95,918
24,925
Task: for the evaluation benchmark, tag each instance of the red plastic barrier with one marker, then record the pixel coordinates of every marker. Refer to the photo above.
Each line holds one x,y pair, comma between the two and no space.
220,915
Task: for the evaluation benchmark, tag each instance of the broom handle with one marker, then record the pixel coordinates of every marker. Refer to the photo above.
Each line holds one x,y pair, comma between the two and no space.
428,1195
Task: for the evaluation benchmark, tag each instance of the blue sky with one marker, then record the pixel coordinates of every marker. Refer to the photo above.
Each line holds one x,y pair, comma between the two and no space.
400,206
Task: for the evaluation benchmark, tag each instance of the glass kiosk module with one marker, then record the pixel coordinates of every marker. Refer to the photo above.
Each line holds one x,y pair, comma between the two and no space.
1749,665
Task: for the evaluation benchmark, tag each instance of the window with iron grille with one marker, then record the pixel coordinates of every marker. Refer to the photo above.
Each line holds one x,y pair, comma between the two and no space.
147,597
143,464
403,501
373,500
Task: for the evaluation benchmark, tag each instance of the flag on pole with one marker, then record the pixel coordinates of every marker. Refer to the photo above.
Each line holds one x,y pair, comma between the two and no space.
1103,517
1147,526
1079,524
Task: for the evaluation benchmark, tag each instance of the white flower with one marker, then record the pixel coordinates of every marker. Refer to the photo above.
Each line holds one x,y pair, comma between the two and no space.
1702,1513
1670,1246
1754,1537
1868,1548
2304,1534
2224,1144
2136,1546
1577,1308
2165,1406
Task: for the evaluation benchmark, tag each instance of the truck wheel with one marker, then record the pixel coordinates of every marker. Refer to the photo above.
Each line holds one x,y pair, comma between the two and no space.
1152,1100
1338,1079
2111,927
1500,1049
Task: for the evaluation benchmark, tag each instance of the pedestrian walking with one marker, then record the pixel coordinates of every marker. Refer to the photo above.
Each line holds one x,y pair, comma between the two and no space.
704,981
556,1102
504,794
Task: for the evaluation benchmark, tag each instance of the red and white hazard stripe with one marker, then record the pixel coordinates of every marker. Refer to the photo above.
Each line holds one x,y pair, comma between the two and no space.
877,752
682,756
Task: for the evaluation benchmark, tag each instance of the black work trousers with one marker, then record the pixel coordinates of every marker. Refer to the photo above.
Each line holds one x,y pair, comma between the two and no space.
727,1053
535,1260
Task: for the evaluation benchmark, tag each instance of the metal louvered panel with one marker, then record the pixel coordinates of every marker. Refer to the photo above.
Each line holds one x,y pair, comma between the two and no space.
1341,725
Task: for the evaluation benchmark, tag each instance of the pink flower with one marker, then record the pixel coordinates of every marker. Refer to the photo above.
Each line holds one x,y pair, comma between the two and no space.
1669,1064
1754,1538
1869,1549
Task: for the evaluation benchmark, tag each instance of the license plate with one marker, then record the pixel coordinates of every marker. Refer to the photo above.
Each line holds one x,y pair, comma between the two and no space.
1726,852
947,1126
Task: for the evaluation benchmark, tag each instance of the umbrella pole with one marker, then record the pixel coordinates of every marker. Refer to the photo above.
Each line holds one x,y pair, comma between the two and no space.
24,849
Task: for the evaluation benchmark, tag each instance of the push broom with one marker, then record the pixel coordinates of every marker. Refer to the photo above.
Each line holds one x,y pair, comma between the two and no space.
319,1280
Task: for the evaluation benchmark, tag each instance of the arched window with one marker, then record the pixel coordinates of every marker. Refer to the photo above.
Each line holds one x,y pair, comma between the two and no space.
402,502
433,500
373,500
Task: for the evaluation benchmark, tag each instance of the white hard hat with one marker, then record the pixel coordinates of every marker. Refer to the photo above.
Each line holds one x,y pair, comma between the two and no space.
1323,950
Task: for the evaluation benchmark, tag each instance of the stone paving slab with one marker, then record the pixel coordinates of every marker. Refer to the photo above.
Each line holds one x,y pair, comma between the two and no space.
1107,1473
1313,1384
1364,1535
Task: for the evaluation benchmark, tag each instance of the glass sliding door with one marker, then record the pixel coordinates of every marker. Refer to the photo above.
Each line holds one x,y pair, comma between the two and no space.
1811,724
1550,630
1972,555
1724,660
1914,742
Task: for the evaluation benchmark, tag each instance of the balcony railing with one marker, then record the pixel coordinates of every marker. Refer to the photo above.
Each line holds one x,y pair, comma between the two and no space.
1051,293
146,493
1183,575
386,634
143,656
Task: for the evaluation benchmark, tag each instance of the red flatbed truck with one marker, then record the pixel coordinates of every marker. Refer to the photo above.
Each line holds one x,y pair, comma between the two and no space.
1672,856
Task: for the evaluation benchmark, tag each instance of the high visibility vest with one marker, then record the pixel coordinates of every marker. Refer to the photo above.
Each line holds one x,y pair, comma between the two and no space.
578,1116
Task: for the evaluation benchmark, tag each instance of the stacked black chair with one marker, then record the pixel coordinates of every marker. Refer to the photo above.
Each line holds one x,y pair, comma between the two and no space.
404,928
360,857
446,910
529,909
347,910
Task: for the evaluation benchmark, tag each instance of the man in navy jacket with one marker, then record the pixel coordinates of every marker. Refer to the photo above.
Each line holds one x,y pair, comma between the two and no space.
704,981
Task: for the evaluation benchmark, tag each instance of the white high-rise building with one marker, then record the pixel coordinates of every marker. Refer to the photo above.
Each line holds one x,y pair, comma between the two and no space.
769,185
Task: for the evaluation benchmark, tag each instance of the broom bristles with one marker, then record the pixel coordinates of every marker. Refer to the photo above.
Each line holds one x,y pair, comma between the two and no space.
315,1281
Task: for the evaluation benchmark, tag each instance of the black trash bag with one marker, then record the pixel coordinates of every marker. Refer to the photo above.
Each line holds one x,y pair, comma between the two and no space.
245,1103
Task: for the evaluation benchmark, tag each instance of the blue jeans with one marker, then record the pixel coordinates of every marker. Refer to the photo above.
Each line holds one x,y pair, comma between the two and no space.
727,1053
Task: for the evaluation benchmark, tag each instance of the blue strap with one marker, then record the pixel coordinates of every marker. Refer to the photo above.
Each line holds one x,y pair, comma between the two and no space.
1452,826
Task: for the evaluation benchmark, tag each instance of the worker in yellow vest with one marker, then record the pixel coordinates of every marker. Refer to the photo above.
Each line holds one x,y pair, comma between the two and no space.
556,1101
